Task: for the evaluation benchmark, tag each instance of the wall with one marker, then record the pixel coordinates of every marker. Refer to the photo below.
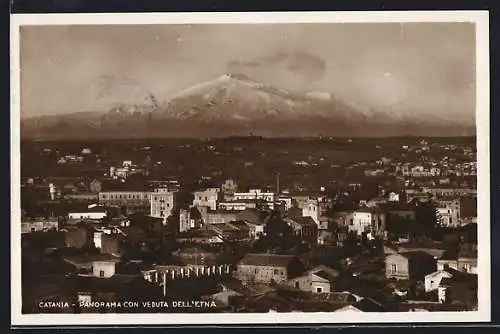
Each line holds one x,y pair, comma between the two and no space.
311,209
162,204
110,244
303,283
106,268
220,218
361,222
433,280
86,215
468,265
262,274
324,286
77,237
402,270
206,198
441,264
134,201
98,239
184,220
41,225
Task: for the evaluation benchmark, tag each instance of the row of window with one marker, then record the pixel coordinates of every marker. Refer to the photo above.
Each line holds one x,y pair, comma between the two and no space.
125,196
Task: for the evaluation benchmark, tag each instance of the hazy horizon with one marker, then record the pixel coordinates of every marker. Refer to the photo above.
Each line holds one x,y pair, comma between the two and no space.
424,68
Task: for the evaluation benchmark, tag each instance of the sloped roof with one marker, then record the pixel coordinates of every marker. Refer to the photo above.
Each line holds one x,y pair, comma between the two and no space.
416,255
303,221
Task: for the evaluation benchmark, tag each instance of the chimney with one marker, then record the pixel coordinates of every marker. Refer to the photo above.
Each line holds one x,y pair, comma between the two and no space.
277,184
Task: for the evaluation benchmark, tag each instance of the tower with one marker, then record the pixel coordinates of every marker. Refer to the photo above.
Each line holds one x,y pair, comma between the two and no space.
52,191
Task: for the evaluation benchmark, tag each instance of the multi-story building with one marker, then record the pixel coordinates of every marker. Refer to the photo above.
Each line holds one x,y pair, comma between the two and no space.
268,268
228,188
453,212
311,209
448,212
237,205
366,220
39,224
305,228
162,203
131,200
255,194
409,265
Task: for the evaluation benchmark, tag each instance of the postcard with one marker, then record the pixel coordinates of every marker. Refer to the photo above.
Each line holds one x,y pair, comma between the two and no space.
250,168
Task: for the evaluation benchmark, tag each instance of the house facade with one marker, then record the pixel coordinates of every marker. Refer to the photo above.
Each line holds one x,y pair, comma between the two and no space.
268,268
433,280
320,279
162,203
132,201
409,265
206,198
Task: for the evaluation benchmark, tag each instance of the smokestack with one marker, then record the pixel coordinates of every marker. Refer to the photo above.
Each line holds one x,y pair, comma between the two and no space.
278,184
52,191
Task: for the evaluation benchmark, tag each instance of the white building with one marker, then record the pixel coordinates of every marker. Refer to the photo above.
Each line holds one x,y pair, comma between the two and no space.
39,225
103,269
207,198
287,200
361,222
237,205
448,212
162,203
95,213
254,194
433,280
311,209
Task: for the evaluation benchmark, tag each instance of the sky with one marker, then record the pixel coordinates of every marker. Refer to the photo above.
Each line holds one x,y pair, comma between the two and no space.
422,68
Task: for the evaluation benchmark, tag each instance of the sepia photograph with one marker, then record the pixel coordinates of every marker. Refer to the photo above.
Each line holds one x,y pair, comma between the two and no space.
231,168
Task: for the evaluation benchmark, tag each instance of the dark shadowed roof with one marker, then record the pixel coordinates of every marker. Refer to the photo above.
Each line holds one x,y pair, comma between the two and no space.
265,259
416,255
304,221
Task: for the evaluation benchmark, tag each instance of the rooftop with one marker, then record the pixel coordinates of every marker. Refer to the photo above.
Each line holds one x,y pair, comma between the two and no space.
266,259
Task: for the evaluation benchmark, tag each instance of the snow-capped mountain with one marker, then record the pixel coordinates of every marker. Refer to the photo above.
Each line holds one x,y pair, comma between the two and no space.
230,105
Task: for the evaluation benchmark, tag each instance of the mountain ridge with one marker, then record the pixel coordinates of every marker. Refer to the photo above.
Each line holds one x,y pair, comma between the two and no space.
234,104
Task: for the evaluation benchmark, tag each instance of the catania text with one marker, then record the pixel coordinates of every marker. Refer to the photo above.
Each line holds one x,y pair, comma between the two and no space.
130,304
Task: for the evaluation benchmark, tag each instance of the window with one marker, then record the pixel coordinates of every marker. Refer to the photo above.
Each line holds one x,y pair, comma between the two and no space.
276,271
101,273
394,268
297,284
319,290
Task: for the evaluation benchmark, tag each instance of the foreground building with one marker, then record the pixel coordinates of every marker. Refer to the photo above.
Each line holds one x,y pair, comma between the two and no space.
268,268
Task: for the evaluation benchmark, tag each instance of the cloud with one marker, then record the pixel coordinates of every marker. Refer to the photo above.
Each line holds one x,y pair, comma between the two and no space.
306,66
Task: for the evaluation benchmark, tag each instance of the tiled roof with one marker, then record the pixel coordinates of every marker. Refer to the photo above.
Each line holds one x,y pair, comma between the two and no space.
265,259
416,255
304,221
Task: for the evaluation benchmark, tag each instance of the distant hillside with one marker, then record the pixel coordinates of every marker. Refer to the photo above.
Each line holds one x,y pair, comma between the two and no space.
234,105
